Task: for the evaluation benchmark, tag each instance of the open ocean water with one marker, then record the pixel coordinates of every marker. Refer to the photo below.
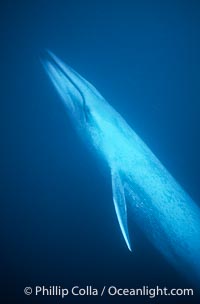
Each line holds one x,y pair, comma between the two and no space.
57,221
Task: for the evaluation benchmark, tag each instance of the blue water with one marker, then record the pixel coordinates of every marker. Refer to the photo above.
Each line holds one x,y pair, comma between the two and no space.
58,224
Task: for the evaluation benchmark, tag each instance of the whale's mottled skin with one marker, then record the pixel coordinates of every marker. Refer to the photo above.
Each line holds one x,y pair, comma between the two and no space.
141,184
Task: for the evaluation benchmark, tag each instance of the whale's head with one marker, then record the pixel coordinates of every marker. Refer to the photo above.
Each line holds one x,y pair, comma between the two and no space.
88,110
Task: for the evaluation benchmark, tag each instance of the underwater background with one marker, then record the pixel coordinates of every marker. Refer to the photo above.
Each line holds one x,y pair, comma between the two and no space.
57,220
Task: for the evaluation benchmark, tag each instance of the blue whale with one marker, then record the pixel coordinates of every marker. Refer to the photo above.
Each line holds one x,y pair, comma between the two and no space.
143,189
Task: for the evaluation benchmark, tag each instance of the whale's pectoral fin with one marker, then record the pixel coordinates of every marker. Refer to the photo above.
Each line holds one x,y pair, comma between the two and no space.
120,206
